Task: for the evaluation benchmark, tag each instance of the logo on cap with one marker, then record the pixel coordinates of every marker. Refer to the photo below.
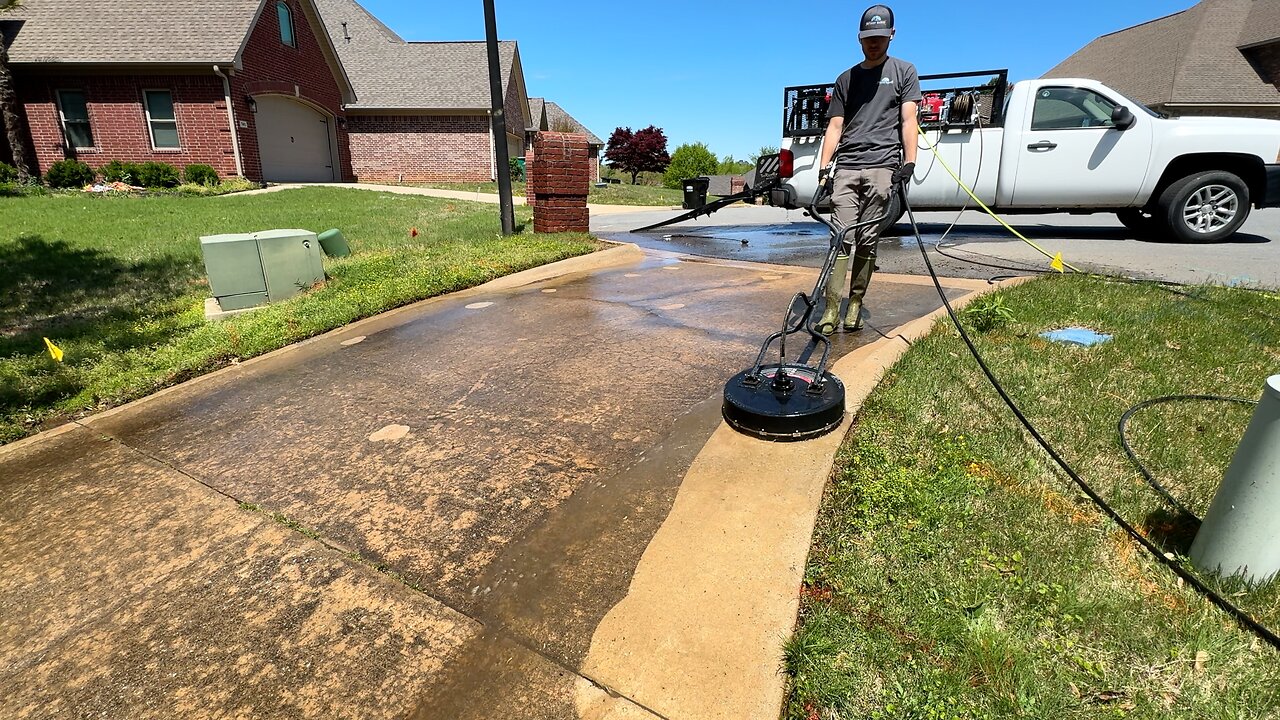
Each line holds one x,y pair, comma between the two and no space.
877,21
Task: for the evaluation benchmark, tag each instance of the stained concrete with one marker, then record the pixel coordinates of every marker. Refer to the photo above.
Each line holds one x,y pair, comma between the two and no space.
507,451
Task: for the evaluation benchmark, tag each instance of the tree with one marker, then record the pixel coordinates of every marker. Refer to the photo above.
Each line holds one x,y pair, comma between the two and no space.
730,166
689,161
766,150
14,124
642,151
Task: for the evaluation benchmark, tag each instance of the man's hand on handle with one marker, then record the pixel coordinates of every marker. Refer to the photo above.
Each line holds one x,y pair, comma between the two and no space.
904,173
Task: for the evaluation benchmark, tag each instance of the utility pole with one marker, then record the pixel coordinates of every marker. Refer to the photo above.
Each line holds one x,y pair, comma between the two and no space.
499,121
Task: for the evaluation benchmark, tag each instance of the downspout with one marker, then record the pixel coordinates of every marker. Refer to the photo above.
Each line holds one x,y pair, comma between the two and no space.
231,119
493,152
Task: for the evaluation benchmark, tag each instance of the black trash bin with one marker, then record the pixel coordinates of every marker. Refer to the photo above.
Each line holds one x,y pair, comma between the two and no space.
695,192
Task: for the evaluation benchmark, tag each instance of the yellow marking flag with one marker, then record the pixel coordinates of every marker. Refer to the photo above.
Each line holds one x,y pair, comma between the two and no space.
1057,263
55,352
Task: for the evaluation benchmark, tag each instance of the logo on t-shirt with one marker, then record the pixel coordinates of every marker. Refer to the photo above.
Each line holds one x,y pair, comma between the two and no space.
886,81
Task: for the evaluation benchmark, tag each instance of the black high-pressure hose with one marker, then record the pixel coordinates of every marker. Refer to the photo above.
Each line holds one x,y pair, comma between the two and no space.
1142,468
1227,606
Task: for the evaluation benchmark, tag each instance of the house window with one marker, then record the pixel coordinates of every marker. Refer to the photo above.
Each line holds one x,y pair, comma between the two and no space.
286,24
1062,108
161,119
74,112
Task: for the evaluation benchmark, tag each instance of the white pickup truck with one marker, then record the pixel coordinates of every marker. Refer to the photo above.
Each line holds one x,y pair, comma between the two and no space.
1062,145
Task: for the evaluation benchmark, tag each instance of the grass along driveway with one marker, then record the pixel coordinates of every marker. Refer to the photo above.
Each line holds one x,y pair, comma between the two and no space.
118,283
956,574
623,194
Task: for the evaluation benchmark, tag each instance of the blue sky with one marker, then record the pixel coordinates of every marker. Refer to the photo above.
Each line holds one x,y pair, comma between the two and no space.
713,70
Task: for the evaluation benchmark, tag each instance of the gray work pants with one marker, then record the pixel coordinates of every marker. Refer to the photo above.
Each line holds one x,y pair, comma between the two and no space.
858,196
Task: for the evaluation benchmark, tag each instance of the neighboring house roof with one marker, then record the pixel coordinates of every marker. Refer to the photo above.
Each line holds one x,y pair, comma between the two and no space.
555,116
108,31
178,32
1190,57
537,114
389,73
1263,24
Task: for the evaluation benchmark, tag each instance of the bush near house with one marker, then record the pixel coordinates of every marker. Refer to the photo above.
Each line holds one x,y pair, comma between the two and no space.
121,171
200,175
69,174
158,175
689,161
8,173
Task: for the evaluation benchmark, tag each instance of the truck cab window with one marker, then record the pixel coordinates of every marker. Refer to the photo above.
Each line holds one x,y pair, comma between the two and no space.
1062,108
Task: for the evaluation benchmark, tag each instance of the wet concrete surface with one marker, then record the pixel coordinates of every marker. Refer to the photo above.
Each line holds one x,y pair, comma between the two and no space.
509,454
974,245
129,591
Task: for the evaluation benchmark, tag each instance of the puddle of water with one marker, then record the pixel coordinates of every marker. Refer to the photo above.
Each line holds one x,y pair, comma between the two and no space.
1082,337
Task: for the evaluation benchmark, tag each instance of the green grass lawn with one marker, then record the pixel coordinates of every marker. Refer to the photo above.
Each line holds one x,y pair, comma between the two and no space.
621,194
956,574
118,283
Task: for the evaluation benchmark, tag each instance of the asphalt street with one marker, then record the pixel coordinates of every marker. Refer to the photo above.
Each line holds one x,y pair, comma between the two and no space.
976,247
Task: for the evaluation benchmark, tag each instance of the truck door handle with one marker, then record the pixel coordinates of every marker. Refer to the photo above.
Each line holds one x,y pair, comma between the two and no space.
1042,145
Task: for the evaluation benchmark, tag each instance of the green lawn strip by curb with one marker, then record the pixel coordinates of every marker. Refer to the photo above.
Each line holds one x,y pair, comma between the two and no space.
118,283
956,574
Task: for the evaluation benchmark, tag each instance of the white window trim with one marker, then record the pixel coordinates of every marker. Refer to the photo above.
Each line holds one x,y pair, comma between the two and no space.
146,111
293,27
62,117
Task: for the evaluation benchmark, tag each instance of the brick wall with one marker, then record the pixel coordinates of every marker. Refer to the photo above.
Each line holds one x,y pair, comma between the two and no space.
420,148
560,181
1266,58
118,121
273,68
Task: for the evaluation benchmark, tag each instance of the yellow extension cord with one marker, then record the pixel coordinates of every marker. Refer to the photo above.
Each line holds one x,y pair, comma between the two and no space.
1056,261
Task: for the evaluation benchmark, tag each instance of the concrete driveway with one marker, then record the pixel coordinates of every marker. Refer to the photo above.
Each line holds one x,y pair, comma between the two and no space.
515,501
1094,242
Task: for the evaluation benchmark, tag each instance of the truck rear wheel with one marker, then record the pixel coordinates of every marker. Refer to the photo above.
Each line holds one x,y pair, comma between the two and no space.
1204,207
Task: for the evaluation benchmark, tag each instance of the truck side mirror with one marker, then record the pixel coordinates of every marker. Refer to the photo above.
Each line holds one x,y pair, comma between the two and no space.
1122,118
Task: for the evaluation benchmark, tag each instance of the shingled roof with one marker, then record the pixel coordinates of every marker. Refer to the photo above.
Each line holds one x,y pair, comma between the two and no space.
111,31
537,120
1191,57
556,116
389,73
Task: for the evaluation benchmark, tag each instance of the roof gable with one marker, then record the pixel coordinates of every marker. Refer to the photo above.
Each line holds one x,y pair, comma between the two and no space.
1187,57
1263,24
388,73
556,115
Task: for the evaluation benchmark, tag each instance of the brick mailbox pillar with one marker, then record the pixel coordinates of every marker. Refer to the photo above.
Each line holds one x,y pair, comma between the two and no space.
559,182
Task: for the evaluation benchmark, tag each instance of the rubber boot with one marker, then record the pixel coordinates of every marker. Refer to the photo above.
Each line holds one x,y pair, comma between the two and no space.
863,265
832,292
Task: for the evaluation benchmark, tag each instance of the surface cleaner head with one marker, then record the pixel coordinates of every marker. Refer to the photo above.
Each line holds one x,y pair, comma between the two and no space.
781,403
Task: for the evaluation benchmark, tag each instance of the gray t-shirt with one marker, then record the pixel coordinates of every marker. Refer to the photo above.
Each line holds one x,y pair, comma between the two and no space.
870,102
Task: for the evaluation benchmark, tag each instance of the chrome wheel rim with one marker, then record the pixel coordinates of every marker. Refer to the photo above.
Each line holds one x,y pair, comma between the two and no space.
1211,208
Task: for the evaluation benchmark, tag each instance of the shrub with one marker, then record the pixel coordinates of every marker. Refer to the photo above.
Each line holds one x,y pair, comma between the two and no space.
8,173
158,175
69,174
517,172
689,161
200,175
121,171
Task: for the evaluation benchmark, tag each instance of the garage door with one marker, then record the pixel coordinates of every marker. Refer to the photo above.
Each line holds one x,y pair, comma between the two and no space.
293,140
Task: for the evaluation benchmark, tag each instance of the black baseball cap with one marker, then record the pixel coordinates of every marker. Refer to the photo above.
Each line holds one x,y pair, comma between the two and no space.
877,21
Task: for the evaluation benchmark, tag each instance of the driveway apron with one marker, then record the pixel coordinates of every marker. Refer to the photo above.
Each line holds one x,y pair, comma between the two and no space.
427,514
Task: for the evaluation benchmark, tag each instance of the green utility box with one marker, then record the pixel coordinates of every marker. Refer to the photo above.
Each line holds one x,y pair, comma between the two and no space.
250,269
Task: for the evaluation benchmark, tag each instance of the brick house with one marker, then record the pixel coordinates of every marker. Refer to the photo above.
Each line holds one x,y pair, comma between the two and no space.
1219,57
422,109
255,90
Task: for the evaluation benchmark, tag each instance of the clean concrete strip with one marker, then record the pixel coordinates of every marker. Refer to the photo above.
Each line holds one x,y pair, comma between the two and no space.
617,256
480,197
716,594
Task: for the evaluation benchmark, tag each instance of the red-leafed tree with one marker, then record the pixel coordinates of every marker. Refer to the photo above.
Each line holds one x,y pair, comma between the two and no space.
642,151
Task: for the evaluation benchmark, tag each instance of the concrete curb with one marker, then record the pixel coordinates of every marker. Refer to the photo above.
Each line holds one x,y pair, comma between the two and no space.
618,255
716,593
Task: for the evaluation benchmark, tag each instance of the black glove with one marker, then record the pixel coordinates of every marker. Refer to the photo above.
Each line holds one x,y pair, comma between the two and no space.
904,173
824,175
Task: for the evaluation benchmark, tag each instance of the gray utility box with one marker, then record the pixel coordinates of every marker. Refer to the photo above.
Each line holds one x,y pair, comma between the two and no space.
250,269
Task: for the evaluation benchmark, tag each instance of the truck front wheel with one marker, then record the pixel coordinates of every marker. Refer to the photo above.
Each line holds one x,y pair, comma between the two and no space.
1204,207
